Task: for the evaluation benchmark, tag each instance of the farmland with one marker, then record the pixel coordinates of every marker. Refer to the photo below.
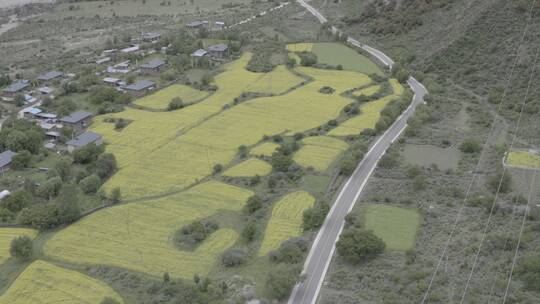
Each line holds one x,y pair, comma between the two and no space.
250,167
44,283
264,149
161,99
396,226
7,235
523,159
319,152
337,53
286,220
137,236
300,47
369,91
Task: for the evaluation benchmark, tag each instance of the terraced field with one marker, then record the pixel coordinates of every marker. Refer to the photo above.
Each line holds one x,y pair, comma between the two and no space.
45,283
319,152
161,99
300,47
369,91
523,159
264,149
250,167
138,236
7,235
286,220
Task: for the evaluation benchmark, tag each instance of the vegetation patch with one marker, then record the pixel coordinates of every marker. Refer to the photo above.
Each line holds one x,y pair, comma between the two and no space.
428,156
299,47
162,98
250,167
264,149
338,54
137,236
319,152
396,226
523,159
6,237
369,91
45,283
286,220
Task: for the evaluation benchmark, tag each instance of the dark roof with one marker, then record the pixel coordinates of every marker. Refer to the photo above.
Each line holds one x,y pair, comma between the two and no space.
75,117
17,86
196,23
151,35
140,85
84,139
5,157
153,64
50,75
218,48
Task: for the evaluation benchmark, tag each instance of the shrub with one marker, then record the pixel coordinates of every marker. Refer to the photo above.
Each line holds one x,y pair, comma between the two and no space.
253,204
106,165
348,165
250,231
529,271
501,181
22,248
281,281
194,233
314,216
470,146
291,251
90,184
326,90
358,245
21,160
17,201
234,257
175,104
307,59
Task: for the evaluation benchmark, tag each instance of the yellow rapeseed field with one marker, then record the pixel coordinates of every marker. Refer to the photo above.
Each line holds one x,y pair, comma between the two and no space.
371,90
139,236
264,149
161,99
286,220
300,47
319,152
523,159
7,235
276,82
250,167
370,113
45,283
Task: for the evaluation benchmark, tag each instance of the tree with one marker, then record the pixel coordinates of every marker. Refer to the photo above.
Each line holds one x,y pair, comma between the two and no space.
17,201
253,204
234,257
49,188
281,281
307,59
106,165
358,245
22,248
314,216
175,104
347,166
88,154
291,251
63,168
500,182
249,233
281,162
67,203
116,196
90,184
21,160
166,277
470,146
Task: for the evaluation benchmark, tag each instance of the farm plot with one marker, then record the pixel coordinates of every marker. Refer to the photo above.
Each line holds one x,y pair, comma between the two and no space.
350,59
286,220
7,235
161,99
250,167
370,113
264,149
189,147
300,47
275,82
319,152
369,91
523,159
45,283
396,226
138,236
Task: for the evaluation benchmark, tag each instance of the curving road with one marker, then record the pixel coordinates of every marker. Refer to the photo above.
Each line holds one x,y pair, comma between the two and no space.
323,247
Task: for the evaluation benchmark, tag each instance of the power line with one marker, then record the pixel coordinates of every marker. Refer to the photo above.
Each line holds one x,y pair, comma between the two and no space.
486,227
482,153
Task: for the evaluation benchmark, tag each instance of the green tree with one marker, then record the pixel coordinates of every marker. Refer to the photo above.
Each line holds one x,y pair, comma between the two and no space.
106,165
22,248
21,160
253,204
90,184
470,146
49,188
501,182
281,281
281,162
63,168
358,245
314,217
17,201
250,231
175,104
116,196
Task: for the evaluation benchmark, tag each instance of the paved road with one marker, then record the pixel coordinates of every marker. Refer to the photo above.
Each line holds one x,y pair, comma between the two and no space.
323,247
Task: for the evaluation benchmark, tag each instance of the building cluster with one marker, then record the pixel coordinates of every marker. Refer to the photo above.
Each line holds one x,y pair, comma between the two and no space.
32,91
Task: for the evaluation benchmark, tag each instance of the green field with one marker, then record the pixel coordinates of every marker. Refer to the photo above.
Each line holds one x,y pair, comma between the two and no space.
264,149
286,220
369,91
161,99
44,283
427,155
396,226
319,152
138,236
250,167
350,59
523,159
7,235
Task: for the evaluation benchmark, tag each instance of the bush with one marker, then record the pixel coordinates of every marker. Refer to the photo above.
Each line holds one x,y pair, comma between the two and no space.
307,59
470,146
281,281
175,104
17,201
291,251
234,257
326,90
250,231
194,233
253,204
529,271
348,165
358,245
281,162
22,248
88,154
501,181
49,188
21,160
106,165
313,217
90,184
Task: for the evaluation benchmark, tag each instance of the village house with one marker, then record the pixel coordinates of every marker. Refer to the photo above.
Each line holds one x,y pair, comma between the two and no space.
78,121
140,88
45,90
219,50
120,68
47,117
197,24
132,49
30,112
16,87
112,81
153,67
151,37
218,26
51,75
5,160
103,60
84,140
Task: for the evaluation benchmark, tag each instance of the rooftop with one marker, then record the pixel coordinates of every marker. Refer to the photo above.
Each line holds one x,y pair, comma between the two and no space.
140,85
32,110
196,23
17,86
218,47
153,64
130,49
151,35
47,115
76,117
5,157
84,139
199,53
45,90
50,75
